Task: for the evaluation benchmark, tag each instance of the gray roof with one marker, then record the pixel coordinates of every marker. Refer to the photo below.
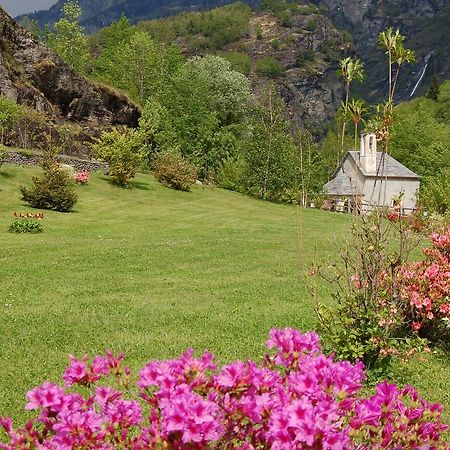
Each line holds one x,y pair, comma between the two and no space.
387,166
340,185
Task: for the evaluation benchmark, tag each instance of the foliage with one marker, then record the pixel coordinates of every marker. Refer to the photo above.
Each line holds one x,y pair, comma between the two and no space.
433,91
123,150
276,44
201,114
55,189
10,114
149,66
367,322
230,174
434,195
270,155
304,56
25,225
173,171
68,39
164,229
107,43
425,289
30,129
240,62
269,67
297,397
420,138
215,28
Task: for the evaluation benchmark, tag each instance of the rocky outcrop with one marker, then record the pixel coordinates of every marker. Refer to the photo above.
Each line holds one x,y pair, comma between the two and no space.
309,50
32,74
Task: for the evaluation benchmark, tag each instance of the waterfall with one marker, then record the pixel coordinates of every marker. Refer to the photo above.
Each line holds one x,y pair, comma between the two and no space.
427,58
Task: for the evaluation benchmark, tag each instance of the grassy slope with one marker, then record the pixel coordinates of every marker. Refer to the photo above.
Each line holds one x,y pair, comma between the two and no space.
151,271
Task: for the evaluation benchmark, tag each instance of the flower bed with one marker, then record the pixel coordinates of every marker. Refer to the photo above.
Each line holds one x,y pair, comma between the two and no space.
298,398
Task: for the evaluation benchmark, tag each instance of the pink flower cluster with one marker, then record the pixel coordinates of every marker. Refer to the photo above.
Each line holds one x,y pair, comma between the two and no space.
426,285
81,177
298,398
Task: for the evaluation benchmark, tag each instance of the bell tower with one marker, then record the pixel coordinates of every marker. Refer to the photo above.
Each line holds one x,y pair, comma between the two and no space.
368,153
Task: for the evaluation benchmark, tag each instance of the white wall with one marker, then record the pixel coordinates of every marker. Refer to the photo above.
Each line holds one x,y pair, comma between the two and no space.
385,191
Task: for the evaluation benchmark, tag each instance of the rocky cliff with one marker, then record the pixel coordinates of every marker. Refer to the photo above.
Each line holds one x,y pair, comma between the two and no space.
309,51
33,75
425,23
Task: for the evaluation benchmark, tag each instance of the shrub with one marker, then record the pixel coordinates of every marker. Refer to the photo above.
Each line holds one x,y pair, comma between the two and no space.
311,25
275,44
25,225
230,173
123,150
81,177
259,32
173,171
425,289
367,321
304,56
297,398
285,19
269,67
239,61
3,154
54,190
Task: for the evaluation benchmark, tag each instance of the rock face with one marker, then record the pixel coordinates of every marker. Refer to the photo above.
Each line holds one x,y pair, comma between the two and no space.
309,50
34,75
425,23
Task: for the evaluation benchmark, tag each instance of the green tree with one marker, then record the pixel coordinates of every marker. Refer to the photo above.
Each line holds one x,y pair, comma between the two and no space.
433,91
270,154
108,40
123,151
10,113
435,194
68,39
356,111
141,66
200,113
55,189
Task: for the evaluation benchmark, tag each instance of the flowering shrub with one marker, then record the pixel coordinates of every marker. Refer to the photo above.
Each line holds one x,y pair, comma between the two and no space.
81,177
425,286
367,319
298,398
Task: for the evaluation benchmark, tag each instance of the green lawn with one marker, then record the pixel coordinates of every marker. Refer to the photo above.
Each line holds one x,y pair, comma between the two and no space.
151,271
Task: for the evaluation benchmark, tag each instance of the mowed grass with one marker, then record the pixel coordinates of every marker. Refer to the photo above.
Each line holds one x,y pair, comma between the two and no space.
151,272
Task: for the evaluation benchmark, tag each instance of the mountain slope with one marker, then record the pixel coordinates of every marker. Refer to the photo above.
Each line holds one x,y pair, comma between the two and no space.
425,23
100,13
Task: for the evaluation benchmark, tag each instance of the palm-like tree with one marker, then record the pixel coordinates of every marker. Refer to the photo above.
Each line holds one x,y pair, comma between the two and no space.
401,56
350,70
393,41
355,112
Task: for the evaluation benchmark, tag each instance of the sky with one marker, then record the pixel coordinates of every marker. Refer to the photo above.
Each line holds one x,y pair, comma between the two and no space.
16,7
